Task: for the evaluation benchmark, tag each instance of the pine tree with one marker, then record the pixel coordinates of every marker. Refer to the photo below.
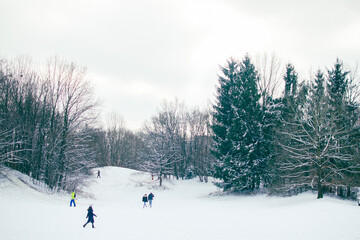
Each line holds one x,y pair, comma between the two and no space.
238,128
347,117
286,108
222,120
336,87
290,93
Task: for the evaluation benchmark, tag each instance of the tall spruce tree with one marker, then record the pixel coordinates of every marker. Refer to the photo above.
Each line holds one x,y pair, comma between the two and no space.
308,143
290,93
337,85
346,122
222,120
238,128
286,107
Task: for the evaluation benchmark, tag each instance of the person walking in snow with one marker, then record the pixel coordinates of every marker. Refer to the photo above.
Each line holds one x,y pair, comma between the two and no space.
72,201
145,200
90,216
98,174
151,197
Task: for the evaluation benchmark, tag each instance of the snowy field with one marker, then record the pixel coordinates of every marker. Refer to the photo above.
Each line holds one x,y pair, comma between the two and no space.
185,210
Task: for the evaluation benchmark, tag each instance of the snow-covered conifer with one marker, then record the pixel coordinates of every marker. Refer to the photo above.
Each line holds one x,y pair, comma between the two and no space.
238,128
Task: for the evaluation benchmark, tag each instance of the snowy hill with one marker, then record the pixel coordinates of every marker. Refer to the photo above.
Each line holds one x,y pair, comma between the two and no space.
183,210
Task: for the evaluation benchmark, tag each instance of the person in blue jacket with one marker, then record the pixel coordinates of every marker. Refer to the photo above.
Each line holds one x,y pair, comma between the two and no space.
90,216
145,200
151,197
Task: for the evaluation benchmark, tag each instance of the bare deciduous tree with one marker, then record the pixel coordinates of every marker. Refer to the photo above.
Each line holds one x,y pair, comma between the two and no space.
269,69
73,103
200,141
163,142
319,150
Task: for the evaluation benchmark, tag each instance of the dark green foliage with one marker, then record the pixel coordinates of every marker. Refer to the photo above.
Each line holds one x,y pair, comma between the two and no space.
238,128
316,135
291,81
337,85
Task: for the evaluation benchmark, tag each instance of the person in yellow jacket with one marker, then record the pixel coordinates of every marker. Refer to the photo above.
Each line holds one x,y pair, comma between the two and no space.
73,196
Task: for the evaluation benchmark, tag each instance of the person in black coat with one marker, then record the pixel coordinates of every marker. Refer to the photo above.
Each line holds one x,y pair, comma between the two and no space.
151,197
90,216
145,200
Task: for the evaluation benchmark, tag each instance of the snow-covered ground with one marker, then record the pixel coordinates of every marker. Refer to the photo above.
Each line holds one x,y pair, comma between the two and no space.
185,210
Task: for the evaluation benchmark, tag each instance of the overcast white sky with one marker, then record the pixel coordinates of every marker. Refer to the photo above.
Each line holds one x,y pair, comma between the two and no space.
139,52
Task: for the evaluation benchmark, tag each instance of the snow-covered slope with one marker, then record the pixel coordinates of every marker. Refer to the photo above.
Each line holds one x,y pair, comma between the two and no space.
183,210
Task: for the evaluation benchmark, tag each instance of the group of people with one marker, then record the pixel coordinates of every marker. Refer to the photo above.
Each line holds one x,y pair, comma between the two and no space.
90,212
147,199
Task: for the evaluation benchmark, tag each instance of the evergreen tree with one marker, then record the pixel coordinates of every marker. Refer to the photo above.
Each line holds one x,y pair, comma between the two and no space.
290,93
222,120
346,122
238,128
285,108
337,85
271,124
291,78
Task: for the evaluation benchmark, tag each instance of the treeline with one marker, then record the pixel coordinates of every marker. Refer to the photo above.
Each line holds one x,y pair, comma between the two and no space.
305,139
175,142
49,129
43,116
267,130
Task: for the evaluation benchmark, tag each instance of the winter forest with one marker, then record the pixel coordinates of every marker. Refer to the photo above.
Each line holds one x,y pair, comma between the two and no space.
267,131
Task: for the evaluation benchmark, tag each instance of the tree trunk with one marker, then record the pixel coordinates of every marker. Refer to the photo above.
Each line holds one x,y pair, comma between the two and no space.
201,178
206,178
320,190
